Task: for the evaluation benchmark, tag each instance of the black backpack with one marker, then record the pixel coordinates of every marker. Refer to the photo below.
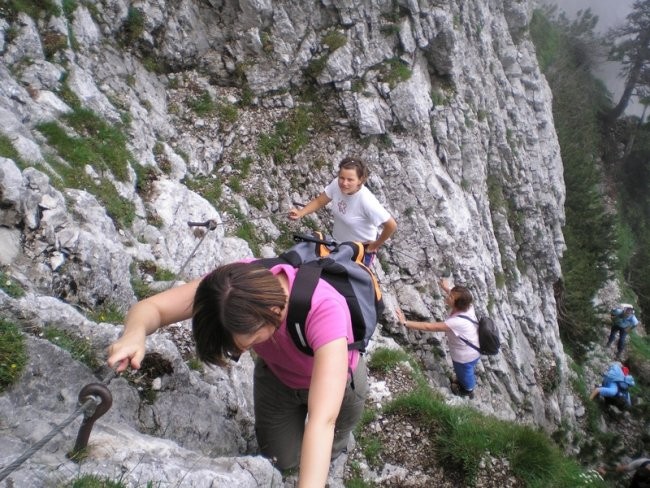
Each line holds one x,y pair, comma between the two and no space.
488,336
341,266
641,478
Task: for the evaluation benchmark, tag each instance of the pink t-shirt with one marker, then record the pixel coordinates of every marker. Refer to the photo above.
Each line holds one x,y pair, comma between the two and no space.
327,320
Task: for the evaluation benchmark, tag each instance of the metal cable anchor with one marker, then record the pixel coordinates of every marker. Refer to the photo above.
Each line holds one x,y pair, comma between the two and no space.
103,400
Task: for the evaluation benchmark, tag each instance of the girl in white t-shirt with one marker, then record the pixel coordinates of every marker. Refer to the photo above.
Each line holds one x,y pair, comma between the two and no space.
463,357
358,215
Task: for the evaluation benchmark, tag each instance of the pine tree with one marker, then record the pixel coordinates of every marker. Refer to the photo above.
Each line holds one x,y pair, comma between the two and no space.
631,47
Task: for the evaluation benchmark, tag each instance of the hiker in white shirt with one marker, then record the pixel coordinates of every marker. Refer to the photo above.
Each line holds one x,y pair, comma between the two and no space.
358,215
464,358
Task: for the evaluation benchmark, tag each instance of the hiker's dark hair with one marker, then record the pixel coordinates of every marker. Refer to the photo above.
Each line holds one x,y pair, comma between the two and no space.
233,299
462,298
356,164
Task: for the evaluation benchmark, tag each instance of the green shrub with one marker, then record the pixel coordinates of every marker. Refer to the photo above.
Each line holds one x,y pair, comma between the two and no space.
334,40
52,43
154,64
164,275
34,8
69,6
141,289
290,135
227,112
202,104
639,352
105,142
244,166
79,348
316,66
386,359
395,71
133,26
99,145
208,188
13,354
93,481
389,30
10,286
7,150
195,364
109,313
235,184
463,436
246,231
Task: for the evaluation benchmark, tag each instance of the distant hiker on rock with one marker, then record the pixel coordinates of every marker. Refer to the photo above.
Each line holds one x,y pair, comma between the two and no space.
464,357
615,386
641,469
623,321
358,215
306,406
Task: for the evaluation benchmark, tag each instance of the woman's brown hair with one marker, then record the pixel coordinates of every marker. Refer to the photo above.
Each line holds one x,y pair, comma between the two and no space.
233,299
356,164
462,298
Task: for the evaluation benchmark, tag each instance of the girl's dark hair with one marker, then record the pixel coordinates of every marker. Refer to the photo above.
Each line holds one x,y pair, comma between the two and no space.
462,298
233,299
356,164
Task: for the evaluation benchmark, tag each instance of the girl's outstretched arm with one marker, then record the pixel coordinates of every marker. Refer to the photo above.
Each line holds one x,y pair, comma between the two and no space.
147,316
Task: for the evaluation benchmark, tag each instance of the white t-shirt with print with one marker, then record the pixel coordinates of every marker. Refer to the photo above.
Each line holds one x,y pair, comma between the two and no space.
461,352
357,217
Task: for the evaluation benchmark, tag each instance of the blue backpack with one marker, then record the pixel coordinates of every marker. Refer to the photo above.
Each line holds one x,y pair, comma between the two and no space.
341,266
615,374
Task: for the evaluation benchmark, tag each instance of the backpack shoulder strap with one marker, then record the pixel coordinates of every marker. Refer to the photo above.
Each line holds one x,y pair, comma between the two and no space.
470,344
300,303
467,318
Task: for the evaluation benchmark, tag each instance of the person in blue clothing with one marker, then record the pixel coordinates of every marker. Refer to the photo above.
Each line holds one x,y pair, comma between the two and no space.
615,386
623,321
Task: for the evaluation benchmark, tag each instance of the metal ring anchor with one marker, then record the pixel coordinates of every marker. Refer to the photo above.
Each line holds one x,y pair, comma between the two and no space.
100,395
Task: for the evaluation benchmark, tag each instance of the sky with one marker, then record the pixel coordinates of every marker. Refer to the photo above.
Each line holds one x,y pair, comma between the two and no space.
611,13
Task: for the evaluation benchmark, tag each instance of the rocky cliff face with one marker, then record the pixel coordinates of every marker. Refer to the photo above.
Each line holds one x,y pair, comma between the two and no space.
123,121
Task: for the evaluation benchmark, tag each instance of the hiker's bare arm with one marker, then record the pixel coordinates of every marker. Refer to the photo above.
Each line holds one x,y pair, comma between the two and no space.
632,465
326,391
319,202
428,326
389,228
147,316
444,285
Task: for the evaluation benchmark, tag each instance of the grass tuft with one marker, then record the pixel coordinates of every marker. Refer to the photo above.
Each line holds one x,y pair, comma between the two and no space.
79,348
13,354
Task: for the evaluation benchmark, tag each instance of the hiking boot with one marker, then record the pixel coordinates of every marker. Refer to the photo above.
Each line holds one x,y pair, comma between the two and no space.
458,390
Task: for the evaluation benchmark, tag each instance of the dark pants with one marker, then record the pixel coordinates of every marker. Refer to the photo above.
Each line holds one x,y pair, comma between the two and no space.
621,338
280,414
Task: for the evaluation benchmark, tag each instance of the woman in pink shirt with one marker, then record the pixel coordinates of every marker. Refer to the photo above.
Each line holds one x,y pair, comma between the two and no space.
305,406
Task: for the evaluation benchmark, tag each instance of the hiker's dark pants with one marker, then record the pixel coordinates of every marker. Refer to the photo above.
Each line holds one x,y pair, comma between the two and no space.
621,338
280,414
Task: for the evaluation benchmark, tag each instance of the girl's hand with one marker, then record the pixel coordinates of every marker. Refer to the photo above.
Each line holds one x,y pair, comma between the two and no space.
400,316
294,214
371,247
127,351
444,284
